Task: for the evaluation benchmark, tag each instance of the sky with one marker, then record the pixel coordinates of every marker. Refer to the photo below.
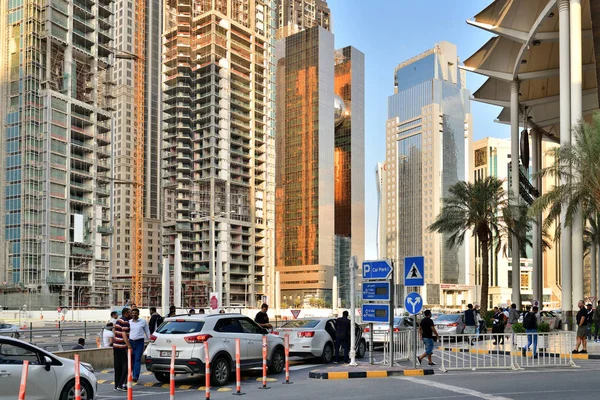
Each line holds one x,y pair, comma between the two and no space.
390,32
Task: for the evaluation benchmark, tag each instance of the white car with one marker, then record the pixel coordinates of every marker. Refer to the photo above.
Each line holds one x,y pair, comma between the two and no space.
548,317
49,377
10,330
381,331
315,337
189,333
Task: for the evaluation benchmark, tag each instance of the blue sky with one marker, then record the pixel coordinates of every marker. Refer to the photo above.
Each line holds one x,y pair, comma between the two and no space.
392,31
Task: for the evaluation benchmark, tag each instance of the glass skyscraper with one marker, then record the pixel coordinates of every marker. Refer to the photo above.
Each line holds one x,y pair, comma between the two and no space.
427,137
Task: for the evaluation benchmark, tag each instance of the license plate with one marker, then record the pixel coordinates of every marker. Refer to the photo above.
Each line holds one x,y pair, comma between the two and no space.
441,326
167,353
379,332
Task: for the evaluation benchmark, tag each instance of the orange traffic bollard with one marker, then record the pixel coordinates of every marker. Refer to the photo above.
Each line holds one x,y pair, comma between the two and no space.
238,375
172,388
264,369
23,380
207,370
286,342
129,376
77,377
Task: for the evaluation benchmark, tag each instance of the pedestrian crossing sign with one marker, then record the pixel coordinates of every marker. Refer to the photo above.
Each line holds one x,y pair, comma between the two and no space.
414,271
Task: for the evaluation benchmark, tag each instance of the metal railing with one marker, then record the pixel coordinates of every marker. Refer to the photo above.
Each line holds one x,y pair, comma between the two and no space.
59,338
501,351
403,345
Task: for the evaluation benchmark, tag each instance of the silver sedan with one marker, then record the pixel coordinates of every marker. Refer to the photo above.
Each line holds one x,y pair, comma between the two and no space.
315,337
10,330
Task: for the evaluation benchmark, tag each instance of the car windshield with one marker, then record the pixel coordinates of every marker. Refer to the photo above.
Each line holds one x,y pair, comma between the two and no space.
180,327
447,318
301,323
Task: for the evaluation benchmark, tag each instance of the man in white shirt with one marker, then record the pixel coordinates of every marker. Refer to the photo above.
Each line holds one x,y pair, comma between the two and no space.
107,335
138,332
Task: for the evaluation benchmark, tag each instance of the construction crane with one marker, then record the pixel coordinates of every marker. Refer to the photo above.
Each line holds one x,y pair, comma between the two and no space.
139,77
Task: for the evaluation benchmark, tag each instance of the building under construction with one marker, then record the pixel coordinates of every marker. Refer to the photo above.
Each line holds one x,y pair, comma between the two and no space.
55,131
218,144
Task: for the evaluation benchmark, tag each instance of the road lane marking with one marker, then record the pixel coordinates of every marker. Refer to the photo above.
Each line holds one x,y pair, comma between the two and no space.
302,366
455,389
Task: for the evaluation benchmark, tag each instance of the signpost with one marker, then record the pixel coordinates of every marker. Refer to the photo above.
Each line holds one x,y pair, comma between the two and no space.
378,299
414,276
413,303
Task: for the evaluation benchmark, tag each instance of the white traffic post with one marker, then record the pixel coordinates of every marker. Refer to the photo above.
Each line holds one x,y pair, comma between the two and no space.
352,267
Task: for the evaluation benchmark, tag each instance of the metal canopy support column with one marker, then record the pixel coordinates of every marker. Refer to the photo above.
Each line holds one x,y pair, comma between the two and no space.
538,272
565,139
514,158
576,117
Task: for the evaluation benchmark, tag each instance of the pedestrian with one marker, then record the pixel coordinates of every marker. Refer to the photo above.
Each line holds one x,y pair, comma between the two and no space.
221,311
202,311
581,321
589,320
530,325
470,323
192,311
498,326
262,318
428,333
172,311
120,347
481,327
108,335
513,318
155,320
138,332
113,317
80,344
596,321
342,337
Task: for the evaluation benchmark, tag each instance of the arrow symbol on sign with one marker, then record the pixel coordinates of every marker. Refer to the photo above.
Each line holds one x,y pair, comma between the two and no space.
413,302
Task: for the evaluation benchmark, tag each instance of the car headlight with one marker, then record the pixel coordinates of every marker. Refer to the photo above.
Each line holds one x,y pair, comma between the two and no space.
87,366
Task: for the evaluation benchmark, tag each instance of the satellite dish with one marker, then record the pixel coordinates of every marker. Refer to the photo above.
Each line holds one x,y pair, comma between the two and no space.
524,144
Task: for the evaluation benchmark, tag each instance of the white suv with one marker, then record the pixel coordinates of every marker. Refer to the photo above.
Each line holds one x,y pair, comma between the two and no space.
189,332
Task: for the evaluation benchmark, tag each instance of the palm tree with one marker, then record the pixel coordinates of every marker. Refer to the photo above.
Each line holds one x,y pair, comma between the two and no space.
478,208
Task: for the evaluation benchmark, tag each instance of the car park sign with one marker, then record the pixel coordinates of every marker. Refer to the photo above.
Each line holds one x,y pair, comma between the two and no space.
376,291
376,313
379,269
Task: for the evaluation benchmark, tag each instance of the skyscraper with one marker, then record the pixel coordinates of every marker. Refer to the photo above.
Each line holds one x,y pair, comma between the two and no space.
218,151
320,163
55,130
123,149
428,132
294,16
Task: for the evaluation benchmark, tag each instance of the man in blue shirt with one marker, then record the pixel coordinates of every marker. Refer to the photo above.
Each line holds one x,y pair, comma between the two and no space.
470,322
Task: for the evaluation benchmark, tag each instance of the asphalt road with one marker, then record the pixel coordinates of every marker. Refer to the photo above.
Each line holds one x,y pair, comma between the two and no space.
550,384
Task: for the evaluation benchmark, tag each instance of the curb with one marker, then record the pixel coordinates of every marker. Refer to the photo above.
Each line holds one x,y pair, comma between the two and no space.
509,352
368,374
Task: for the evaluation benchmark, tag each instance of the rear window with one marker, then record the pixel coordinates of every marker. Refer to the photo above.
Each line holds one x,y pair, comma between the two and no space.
180,327
303,323
447,317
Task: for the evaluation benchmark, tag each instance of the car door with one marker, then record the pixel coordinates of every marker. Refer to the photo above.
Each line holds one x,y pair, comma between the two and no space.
253,337
227,330
41,384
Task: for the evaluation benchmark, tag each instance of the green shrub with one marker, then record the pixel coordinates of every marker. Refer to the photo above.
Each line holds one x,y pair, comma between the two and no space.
518,327
544,327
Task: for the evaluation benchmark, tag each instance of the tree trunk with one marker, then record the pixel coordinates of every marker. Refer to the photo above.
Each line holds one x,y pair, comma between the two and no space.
485,275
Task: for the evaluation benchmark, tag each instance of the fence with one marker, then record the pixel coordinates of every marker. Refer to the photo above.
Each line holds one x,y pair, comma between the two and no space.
59,338
403,345
472,352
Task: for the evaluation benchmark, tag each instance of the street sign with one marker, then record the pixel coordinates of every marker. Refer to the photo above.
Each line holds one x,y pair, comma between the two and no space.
379,269
376,291
414,271
413,303
376,313
295,313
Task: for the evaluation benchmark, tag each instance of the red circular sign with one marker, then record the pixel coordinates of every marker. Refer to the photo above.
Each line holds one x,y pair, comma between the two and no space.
214,302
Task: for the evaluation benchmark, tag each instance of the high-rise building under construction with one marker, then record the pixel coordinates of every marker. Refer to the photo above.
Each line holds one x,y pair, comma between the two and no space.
218,145
57,100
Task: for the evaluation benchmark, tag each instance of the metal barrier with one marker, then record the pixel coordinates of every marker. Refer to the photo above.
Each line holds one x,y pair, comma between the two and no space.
403,345
472,352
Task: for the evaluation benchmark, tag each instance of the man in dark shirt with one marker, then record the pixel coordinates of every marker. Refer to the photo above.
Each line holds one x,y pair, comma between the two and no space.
470,323
342,337
80,344
121,346
530,324
581,322
427,332
155,320
262,318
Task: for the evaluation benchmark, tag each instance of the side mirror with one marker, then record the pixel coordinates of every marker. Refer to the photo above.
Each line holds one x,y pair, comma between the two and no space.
47,362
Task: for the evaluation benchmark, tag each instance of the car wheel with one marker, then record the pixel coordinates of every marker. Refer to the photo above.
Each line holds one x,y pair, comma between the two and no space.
220,371
68,392
361,349
162,377
277,362
327,355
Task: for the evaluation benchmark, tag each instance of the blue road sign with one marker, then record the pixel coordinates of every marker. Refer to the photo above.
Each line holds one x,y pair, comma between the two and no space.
379,269
413,303
376,291
414,271
376,313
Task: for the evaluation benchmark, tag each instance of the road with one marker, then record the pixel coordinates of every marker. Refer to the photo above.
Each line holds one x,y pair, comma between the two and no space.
492,385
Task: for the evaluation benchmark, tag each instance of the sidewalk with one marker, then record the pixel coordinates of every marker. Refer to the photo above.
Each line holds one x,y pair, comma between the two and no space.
365,370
